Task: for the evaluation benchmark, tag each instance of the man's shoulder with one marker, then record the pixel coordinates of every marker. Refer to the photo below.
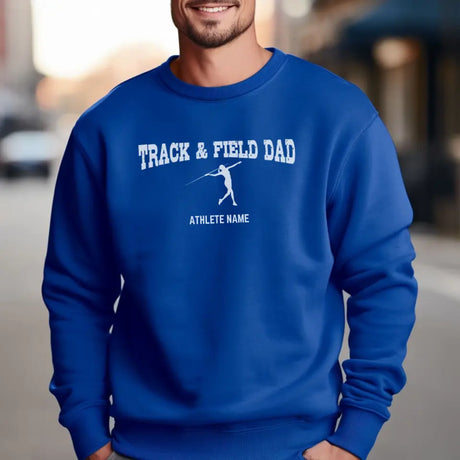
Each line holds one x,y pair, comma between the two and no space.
310,72
326,90
125,94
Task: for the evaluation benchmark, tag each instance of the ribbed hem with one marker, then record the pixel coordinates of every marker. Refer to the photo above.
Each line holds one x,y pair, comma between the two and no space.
90,430
256,440
357,431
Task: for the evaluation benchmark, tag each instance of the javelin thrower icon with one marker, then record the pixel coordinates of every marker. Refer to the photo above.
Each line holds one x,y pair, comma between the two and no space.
225,172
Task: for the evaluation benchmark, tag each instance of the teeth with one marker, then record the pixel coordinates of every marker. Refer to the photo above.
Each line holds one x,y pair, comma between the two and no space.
215,9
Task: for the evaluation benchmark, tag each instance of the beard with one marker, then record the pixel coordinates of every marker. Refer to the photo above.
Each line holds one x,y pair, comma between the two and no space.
210,37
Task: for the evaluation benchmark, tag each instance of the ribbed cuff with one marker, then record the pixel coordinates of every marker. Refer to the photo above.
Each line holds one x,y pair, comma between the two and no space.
90,430
357,431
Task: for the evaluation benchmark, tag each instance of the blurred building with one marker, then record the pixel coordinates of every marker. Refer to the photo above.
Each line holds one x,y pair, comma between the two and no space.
405,55
18,77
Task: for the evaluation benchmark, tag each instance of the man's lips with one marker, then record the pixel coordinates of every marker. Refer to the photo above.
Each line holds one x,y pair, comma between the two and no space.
211,7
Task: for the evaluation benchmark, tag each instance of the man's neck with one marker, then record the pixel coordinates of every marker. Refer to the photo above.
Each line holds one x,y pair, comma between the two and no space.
224,65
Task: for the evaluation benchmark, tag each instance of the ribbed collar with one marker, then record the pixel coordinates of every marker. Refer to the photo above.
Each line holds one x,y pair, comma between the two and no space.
227,91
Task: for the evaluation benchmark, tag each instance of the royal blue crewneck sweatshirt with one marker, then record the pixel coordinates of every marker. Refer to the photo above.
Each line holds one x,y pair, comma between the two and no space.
228,221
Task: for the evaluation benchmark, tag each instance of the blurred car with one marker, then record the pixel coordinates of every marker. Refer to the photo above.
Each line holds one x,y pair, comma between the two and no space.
28,153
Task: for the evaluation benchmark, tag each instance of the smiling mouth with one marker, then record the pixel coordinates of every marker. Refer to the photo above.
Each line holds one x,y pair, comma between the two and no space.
211,8
214,9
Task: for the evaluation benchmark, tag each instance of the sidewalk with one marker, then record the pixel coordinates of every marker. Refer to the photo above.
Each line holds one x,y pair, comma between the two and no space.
437,265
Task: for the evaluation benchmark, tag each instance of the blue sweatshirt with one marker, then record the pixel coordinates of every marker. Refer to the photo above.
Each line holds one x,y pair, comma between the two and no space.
228,221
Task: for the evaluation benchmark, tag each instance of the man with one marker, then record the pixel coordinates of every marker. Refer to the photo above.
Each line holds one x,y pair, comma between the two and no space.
226,337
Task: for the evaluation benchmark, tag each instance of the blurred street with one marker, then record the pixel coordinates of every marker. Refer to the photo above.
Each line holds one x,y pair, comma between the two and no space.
424,416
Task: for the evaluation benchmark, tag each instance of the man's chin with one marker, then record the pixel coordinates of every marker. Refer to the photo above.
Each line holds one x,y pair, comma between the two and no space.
214,35
212,40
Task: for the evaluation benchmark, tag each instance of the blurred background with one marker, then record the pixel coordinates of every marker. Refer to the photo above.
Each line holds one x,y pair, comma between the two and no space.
57,57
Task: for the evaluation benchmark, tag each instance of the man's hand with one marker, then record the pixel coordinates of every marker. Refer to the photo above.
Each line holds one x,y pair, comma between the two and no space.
103,453
327,451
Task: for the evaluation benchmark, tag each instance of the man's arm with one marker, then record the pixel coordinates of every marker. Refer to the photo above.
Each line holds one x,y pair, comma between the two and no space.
80,285
103,453
324,450
369,215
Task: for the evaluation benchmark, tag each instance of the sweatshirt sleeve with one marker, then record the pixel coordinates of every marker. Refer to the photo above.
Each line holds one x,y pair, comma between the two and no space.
80,286
368,216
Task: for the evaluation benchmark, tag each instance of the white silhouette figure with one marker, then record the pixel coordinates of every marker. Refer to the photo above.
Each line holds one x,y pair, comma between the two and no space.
224,171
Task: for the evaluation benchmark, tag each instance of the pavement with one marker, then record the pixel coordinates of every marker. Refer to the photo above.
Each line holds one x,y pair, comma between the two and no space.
424,420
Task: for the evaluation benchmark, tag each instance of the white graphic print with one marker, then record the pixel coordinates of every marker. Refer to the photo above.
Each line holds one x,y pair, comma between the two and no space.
167,154
224,171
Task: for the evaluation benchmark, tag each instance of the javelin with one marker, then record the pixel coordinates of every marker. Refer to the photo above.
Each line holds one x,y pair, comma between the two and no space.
204,175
